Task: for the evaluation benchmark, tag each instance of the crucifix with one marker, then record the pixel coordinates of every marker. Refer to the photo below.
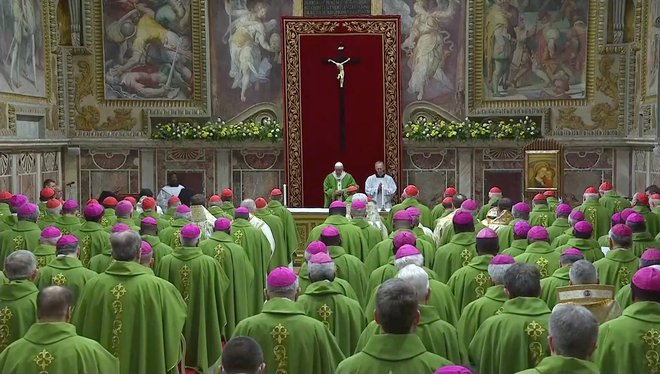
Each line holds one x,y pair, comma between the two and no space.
339,62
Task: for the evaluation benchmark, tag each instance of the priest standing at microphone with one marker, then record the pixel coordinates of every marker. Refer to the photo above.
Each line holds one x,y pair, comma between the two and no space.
381,187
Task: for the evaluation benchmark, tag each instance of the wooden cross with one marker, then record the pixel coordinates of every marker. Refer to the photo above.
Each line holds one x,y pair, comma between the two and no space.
339,61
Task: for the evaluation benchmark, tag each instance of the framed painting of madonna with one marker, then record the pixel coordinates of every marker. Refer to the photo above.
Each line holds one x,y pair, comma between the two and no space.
542,170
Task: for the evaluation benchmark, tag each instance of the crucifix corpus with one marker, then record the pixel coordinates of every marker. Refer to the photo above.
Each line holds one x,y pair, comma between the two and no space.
339,62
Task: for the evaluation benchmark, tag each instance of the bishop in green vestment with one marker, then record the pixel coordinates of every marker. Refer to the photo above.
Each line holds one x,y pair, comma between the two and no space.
410,198
109,217
405,255
136,316
581,240
202,283
5,198
93,238
539,252
610,199
18,298
291,341
53,209
227,206
371,233
553,202
560,277
641,206
170,236
124,213
9,220
620,263
240,273
149,209
172,203
45,251
517,338
641,238
541,215
397,350
519,211
101,261
66,269
149,233
635,332
598,215
324,300
624,296
351,236
24,234
459,251
519,243
440,210
290,230
471,281
560,224
51,345
336,184
69,222
494,196
475,313
280,256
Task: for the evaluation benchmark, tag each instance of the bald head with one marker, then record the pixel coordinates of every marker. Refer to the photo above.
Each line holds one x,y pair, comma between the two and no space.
242,354
54,304
20,265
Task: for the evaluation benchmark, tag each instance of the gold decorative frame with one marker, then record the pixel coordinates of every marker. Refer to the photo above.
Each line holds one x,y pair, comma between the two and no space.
552,158
199,57
646,23
389,29
476,99
376,7
46,9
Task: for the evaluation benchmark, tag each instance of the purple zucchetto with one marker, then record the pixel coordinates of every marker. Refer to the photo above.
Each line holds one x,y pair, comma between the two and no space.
521,229
402,215
359,204
635,219
583,227
222,224
66,240
470,205
93,210
462,218
621,231
563,209
616,219
70,206
626,212
337,204
123,208
487,233
17,201
145,249
149,221
329,232
120,227
281,277
316,247
503,260
576,216
648,278
572,252
183,209
651,254
51,232
190,231
413,211
538,233
27,210
402,238
242,210
405,251
320,258
453,369
521,208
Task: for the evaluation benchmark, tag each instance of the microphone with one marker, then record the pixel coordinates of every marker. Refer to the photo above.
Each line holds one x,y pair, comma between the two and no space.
70,184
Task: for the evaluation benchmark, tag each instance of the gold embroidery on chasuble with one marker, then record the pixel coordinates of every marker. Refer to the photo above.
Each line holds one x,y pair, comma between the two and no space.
624,276
218,253
466,255
43,360
5,317
58,279
19,242
118,291
42,214
176,239
185,273
652,340
617,205
279,334
534,331
542,264
41,261
65,230
482,281
238,237
499,311
592,216
544,220
85,250
324,313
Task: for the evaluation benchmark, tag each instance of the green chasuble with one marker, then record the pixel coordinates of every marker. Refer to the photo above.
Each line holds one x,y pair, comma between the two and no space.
331,185
290,231
424,218
233,259
280,256
392,354
291,342
550,284
629,344
617,268
652,220
438,336
384,252
553,202
7,222
18,310
589,248
454,255
352,239
128,222
217,212
101,261
449,232
514,340
612,201
543,256
257,248
352,270
370,233
343,316
4,210
563,238
470,282
23,235
558,227
541,215
437,212
599,216
68,224
162,224
389,271
64,271
45,254
93,241
642,241
624,297
48,220
170,236
55,348
563,365
518,247
228,207
419,232
505,234
476,312
202,283
343,285
604,241
159,248
136,316
483,212
109,218
168,215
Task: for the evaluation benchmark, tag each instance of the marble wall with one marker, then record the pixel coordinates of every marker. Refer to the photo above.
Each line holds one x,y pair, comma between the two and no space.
24,172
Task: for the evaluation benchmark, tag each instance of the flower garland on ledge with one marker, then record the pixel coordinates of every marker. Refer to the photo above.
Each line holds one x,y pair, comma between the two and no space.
419,130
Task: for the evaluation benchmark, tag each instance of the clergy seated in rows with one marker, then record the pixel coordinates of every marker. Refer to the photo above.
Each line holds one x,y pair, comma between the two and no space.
539,252
350,268
353,242
65,269
410,198
650,257
324,300
202,283
640,204
280,255
69,222
150,209
519,243
573,218
620,263
101,261
560,277
560,224
397,349
133,314
604,241
242,354
437,335
469,206
45,251
149,233
515,339
584,290
641,238
124,212
51,345
172,203
541,215
572,336
109,216
52,213
598,215
291,341
476,312
520,212
9,220
93,237
18,297
471,281
170,235
635,332
444,206
460,249
582,233
405,254
610,199
24,234
370,232
238,269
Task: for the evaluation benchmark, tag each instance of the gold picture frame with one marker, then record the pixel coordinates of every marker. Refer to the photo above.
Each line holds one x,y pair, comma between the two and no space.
543,170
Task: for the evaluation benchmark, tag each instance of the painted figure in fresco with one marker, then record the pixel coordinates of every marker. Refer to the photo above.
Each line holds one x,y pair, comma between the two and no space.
575,49
655,63
249,36
544,175
21,57
521,62
499,29
429,46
